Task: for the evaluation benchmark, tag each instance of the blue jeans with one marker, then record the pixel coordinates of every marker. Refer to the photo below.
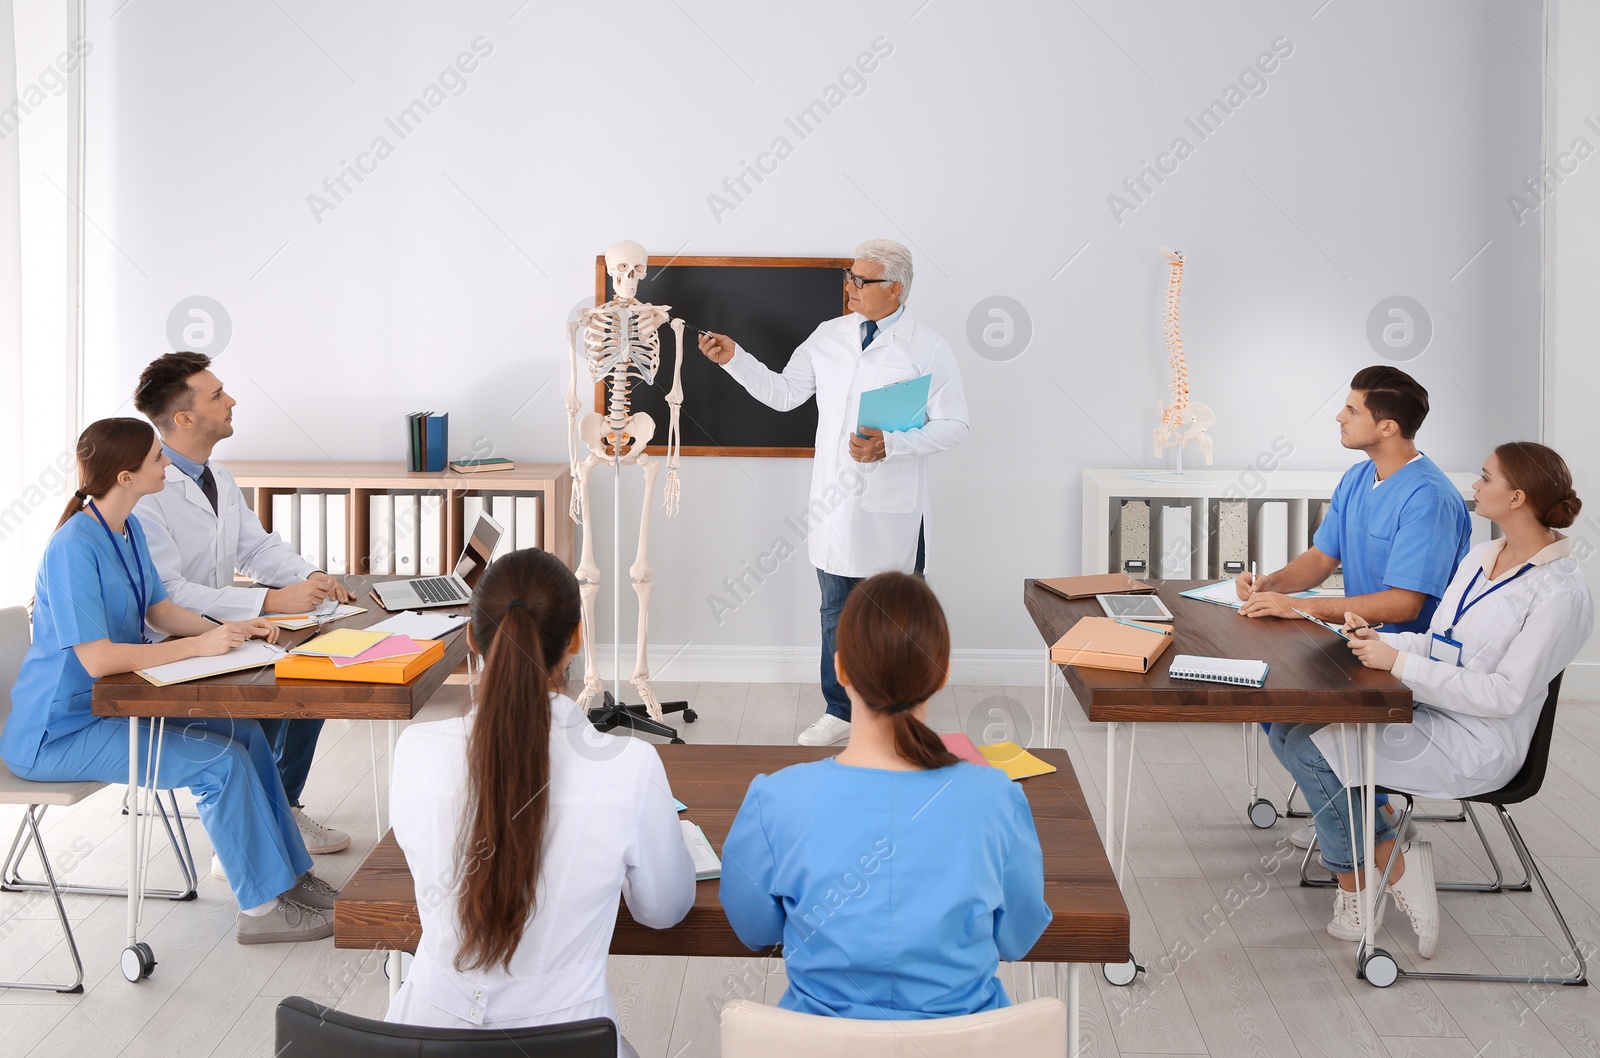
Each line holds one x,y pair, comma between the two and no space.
227,764
294,743
835,590
1324,794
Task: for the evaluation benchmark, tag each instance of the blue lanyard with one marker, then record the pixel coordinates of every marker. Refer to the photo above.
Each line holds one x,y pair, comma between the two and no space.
1463,605
144,636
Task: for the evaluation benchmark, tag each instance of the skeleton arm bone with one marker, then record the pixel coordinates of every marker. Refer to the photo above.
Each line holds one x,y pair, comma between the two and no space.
575,508
672,490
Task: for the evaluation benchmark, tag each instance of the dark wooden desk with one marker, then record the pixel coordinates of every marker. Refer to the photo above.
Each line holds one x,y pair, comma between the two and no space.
256,693
378,909
1312,677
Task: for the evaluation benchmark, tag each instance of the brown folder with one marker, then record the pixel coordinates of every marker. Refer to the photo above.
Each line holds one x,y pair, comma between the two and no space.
1098,584
1103,643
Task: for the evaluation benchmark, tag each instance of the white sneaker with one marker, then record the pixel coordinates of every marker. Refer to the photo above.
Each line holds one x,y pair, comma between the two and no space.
319,839
1303,838
1416,895
1346,924
827,731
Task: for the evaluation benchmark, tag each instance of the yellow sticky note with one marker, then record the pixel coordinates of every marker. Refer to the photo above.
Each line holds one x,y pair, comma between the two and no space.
1014,760
341,643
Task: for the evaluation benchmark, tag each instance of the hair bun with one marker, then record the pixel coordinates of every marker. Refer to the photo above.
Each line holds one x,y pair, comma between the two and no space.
1565,511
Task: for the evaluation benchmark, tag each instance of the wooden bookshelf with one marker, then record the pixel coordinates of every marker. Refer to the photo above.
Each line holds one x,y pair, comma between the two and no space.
260,480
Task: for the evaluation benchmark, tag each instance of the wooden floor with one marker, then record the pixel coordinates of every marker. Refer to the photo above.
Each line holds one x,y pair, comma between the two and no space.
1239,962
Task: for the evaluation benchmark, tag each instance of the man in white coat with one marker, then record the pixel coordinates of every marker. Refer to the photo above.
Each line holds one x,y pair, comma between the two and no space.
200,532
868,489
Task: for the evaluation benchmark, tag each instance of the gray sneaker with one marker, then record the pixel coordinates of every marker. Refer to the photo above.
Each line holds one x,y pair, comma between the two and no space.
320,840
289,921
313,892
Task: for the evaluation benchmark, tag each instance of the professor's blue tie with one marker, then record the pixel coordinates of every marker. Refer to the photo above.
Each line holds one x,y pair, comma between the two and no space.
869,331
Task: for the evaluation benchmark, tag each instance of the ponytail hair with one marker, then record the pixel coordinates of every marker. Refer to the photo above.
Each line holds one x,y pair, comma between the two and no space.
894,648
105,449
524,611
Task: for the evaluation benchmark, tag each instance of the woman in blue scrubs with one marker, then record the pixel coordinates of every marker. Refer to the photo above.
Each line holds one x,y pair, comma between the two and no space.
98,597
895,875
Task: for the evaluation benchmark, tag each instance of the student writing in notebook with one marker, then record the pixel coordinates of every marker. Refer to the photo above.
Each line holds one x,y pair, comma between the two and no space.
201,532
99,598
1515,614
523,825
895,876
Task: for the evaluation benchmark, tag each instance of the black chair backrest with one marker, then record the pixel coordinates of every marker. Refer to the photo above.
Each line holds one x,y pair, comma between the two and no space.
310,1030
1530,776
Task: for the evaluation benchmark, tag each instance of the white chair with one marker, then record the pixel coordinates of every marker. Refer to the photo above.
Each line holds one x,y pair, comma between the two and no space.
755,1030
36,797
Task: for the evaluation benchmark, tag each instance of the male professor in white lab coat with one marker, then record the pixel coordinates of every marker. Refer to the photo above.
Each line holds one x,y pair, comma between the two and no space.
200,532
869,489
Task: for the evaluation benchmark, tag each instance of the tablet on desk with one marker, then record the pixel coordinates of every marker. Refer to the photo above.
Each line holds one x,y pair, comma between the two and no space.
1135,607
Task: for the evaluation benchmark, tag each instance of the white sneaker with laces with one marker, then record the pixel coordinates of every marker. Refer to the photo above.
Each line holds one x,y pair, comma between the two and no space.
1417,895
1303,838
829,730
319,839
1346,924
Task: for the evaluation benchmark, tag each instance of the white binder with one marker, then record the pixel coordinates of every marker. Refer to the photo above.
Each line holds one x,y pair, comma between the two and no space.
530,521
286,518
1175,542
471,507
312,526
503,509
405,535
1272,536
430,534
380,534
337,535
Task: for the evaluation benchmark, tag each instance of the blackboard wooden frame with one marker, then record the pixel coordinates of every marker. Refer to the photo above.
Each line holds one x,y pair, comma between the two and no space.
690,347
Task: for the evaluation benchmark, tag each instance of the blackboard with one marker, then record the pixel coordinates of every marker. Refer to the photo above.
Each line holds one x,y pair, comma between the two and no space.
769,305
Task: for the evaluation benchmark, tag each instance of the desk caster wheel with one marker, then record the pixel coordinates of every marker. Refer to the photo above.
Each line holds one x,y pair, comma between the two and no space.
690,716
678,742
1263,814
1380,969
138,962
1120,974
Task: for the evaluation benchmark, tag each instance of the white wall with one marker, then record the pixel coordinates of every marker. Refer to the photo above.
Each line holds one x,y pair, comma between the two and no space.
1376,162
1572,326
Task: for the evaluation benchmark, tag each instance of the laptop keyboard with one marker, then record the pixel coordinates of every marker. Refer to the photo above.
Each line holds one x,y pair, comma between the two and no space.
438,589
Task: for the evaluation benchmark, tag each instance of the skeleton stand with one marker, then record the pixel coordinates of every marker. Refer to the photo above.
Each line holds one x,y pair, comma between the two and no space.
613,712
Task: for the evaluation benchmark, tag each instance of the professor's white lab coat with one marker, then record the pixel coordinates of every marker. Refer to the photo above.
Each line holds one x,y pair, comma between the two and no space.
197,551
863,518
612,829
1473,723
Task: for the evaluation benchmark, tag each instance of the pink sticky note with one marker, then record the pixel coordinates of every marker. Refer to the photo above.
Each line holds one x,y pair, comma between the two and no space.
962,747
396,646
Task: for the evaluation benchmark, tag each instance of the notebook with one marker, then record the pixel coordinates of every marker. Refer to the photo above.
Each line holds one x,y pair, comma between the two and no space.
251,654
341,643
1218,670
1225,593
1014,760
706,863
295,622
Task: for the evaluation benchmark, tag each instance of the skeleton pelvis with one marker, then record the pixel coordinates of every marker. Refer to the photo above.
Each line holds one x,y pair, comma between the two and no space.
623,446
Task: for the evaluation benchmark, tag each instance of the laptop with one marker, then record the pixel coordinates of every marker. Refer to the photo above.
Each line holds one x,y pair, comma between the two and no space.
421,593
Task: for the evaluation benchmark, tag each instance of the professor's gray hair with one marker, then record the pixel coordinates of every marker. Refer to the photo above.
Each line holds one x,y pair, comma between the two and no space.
896,261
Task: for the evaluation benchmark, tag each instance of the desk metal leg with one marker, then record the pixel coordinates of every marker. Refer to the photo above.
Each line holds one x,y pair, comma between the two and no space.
394,740
1074,1047
1119,974
138,960
1049,700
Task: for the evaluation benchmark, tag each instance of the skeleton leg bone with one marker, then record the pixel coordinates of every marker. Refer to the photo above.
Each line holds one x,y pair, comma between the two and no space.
671,491
641,573
588,588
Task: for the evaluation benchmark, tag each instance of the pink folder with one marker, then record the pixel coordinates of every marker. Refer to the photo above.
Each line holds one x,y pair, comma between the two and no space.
962,747
396,646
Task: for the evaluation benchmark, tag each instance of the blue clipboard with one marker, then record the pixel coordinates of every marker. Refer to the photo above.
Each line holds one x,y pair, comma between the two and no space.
899,406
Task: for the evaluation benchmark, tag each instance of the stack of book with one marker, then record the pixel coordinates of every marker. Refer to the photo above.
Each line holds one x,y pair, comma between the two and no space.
427,437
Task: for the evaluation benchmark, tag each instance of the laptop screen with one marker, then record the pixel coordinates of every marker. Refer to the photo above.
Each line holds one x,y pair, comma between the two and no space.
481,541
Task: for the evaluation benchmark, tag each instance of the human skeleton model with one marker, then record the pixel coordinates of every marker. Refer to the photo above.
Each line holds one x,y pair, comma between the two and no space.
1184,421
621,344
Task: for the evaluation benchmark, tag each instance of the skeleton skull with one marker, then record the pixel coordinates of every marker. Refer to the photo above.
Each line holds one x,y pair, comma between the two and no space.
626,263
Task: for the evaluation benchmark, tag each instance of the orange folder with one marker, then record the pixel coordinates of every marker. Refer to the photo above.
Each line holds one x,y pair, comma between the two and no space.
1103,643
384,670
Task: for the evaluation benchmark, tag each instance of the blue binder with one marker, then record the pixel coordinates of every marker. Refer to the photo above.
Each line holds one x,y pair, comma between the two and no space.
438,443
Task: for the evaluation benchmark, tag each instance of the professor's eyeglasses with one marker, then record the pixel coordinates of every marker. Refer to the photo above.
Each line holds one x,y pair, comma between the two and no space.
860,281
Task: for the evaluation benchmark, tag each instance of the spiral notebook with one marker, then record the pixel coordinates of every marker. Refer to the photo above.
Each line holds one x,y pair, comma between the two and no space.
1218,670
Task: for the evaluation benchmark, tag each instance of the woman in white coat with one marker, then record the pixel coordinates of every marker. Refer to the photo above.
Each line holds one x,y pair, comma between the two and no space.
1516,613
522,825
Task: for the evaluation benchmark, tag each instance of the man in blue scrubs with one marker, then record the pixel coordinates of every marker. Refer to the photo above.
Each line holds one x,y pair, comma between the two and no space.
1396,522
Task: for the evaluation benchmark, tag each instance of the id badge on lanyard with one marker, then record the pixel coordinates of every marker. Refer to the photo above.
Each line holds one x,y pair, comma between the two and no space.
1444,645
1445,648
